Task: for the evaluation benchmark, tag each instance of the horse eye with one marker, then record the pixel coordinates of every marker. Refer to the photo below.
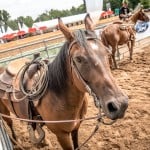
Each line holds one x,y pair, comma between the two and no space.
78,59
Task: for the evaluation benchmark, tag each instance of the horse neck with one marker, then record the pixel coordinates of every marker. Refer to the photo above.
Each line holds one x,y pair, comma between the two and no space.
133,19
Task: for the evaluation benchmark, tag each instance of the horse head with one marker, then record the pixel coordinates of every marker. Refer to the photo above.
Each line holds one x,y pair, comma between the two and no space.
143,16
139,15
90,71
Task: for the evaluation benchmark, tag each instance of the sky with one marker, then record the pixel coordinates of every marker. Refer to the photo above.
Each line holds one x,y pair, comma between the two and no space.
34,8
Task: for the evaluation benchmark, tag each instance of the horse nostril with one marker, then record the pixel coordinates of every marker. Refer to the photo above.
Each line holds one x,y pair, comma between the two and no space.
112,107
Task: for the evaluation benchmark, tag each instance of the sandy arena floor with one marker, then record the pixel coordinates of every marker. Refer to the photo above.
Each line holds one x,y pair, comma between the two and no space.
130,133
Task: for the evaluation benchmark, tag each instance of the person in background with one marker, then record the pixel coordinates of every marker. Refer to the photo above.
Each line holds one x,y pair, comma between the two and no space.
124,11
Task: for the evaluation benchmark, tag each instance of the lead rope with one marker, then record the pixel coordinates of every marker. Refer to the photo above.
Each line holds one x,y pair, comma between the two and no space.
40,86
99,120
94,131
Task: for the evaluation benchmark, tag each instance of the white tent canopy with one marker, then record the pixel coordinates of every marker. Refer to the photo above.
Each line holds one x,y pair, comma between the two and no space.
23,28
67,20
9,31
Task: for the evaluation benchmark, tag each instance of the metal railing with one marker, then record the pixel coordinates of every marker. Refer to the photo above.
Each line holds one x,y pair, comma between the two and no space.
48,49
5,142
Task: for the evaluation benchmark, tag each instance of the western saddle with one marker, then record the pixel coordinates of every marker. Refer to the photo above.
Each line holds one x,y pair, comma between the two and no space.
9,78
9,83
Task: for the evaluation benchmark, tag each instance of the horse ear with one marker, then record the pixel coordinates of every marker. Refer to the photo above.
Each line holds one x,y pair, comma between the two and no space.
89,25
65,30
141,8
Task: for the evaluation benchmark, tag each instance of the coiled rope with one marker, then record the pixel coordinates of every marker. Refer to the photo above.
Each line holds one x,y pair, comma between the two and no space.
40,78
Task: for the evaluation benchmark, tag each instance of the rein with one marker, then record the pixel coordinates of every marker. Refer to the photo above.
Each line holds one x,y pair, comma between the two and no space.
54,121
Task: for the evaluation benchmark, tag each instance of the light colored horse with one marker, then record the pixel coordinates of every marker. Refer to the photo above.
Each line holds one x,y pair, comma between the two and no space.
120,33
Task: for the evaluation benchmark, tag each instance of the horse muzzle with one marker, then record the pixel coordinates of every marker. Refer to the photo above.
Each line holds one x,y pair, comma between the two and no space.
115,108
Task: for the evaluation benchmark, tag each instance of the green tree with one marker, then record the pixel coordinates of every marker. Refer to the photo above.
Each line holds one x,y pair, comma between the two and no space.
114,4
13,24
133,3
66,13
4,17
145,3
28,21
84,5
54,13
118,3
81,9
20,20
44,17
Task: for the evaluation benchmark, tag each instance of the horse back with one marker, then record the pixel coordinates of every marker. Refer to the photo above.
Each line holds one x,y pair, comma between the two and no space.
110,34
118,22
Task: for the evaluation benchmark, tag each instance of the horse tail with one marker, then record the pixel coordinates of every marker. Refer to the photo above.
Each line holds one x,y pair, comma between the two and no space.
104,39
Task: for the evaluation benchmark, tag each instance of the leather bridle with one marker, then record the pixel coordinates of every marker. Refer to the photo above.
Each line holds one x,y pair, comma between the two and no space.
97,101
79,76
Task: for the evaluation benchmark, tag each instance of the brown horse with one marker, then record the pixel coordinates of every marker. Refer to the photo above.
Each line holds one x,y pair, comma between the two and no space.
119,34
81,65
1,69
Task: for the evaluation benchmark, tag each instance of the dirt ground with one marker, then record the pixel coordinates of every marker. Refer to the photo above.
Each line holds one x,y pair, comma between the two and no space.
130,133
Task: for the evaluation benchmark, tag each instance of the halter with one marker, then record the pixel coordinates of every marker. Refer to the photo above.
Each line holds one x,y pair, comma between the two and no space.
79,76
97,101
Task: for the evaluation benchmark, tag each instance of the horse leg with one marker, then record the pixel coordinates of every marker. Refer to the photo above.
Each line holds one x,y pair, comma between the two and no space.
131,49
113,57
74,134
118,53
110,62
130,46
65,140
4,110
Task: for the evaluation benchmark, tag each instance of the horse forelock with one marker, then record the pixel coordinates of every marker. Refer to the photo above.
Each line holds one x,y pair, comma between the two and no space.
81,37
58,75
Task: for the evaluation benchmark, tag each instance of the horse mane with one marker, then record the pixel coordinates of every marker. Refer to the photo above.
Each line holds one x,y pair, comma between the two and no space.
137,14
134,17
80,37
58,68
